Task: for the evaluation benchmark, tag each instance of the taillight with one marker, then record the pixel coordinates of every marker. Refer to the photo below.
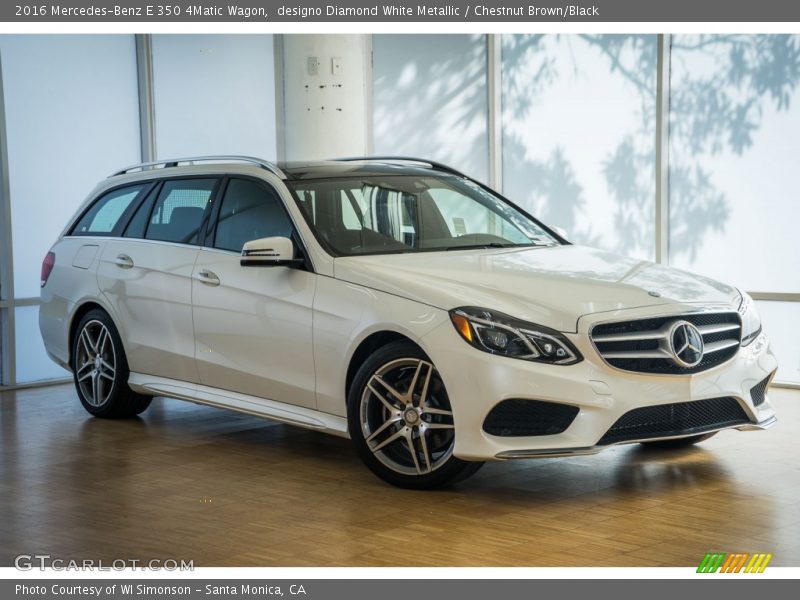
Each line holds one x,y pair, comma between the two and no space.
47,266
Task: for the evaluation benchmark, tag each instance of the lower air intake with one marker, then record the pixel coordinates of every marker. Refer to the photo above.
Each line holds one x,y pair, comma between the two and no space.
519,418
758,392
682,418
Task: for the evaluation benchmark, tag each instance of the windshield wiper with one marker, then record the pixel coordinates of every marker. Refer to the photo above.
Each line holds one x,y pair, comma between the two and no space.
487,245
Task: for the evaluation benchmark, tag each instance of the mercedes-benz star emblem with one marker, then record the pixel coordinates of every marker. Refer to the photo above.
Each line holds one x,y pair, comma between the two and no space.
686,344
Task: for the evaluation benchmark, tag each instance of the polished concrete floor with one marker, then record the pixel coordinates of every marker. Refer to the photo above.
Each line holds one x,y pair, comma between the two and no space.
223,489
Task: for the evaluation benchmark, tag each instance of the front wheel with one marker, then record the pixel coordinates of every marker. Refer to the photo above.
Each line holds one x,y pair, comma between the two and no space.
401,422
100,369
677,443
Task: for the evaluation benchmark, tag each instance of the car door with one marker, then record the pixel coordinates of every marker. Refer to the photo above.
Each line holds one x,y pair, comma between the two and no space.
147,277
252,325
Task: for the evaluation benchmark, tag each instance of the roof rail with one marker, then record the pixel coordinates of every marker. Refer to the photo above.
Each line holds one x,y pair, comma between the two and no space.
404,159
173,162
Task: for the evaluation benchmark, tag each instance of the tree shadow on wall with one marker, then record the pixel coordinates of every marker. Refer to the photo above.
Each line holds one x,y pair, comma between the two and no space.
435,107
715,111
438,106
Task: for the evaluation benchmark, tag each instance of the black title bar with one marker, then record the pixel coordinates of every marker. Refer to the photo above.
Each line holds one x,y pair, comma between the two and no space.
320,11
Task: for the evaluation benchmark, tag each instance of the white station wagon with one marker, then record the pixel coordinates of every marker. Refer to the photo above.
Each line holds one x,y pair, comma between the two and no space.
395,301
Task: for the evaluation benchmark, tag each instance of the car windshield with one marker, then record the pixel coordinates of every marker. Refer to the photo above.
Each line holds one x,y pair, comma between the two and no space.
409,213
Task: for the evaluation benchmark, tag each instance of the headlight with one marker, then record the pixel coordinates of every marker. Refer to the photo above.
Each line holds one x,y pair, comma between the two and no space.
751,321
497,333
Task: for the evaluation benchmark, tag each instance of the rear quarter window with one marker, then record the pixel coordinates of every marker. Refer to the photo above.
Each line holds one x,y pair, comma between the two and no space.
104,215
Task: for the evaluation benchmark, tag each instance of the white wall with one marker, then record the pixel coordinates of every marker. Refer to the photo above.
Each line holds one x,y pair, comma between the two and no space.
781,321
579,135
326,112
214,94
735,146
430,99
72,117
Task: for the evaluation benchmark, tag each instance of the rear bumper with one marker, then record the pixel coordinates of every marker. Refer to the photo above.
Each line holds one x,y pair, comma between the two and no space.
477,381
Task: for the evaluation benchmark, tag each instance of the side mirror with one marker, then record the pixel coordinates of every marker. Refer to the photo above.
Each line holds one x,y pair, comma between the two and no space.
559,230
269,252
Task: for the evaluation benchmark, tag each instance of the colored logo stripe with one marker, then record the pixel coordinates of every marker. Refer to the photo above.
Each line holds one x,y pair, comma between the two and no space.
704,563
737,562
758,563
711,562
727,564
734,563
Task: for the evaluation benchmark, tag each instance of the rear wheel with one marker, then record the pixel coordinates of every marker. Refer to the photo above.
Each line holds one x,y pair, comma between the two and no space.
100,369
676,443
401,421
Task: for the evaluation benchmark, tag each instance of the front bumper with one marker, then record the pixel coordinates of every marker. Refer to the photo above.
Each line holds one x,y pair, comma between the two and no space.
476,381
557,453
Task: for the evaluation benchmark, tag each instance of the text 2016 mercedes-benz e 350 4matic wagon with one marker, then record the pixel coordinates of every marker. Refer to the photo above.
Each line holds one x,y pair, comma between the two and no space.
395,301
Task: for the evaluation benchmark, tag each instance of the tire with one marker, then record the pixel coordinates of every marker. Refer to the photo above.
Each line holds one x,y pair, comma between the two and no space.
677,443
100,369
386,421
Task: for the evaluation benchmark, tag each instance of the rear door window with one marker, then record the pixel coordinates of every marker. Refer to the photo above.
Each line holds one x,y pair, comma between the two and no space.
178,211
105,214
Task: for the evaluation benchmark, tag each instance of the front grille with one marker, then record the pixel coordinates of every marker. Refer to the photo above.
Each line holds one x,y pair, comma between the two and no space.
758,393
643,345
682,418
516,418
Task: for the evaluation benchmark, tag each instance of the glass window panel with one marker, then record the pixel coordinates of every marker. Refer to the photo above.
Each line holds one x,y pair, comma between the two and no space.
430,99
33,364
350,218
734,147
405,213
179,210
214,94
249,212
103,217
579,135
464,216
72,117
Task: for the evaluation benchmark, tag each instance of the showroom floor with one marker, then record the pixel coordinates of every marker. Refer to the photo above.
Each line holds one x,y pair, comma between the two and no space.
191,482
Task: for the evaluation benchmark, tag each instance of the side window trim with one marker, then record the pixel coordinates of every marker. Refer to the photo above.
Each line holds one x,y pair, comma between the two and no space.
210,230
125,221
213,201
128,213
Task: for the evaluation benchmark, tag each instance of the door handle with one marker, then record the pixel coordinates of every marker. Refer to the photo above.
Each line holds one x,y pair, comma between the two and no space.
123,261
208,277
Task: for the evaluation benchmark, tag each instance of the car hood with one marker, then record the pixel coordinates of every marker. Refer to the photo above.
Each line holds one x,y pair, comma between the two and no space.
552,286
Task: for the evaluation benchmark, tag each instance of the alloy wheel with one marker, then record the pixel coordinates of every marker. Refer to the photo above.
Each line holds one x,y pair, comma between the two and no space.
406,418
96,363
